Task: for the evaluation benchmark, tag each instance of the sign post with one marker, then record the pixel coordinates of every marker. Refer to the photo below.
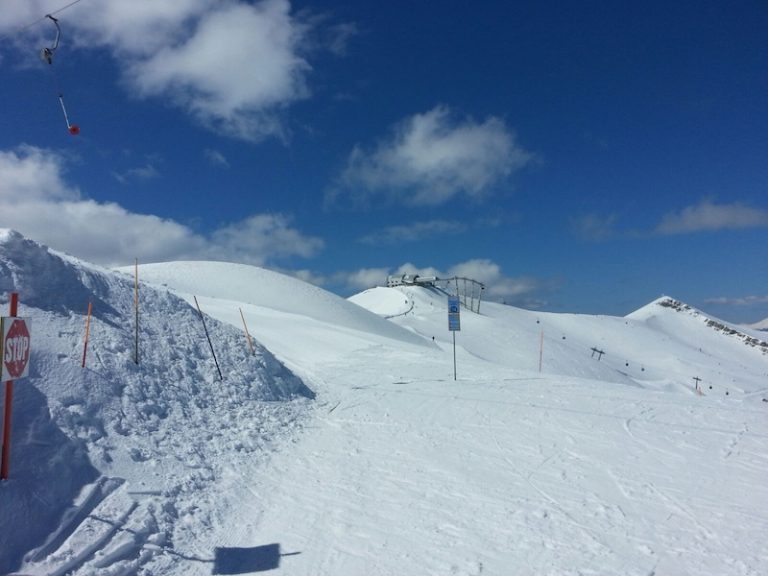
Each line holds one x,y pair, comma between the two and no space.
454,324
14,360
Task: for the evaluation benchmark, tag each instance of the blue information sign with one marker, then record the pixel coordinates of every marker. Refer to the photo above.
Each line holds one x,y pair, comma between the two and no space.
454,314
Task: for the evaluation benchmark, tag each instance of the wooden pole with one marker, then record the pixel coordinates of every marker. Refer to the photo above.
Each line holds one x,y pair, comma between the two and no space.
5,458
247,335
87,331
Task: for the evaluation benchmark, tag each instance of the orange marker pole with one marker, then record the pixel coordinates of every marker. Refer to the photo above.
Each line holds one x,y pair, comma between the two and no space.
87,331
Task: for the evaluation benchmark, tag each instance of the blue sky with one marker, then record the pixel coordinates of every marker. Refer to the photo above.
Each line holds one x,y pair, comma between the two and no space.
575,157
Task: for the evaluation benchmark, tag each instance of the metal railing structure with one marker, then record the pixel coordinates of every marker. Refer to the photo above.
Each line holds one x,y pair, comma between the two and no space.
469,291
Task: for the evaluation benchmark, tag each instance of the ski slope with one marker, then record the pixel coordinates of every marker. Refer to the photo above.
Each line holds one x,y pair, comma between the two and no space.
346,447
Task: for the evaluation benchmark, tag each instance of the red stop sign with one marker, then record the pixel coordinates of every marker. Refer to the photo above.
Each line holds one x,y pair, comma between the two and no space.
16,349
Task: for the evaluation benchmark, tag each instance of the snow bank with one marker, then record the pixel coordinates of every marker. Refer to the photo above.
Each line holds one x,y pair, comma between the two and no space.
168,417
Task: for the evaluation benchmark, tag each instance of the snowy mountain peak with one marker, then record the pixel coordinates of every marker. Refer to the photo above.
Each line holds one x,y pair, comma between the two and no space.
658,313
654,307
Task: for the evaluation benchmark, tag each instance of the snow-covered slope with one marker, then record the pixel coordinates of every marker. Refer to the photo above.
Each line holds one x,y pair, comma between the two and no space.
588,465
656,346
256,286
117,426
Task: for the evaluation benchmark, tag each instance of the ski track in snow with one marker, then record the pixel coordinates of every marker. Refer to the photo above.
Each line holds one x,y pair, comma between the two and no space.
551,504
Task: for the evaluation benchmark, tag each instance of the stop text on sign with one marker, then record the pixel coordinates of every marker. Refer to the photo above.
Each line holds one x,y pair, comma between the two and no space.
14,348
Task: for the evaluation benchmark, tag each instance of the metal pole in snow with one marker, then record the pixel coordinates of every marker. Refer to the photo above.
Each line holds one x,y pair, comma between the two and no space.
479,298
696,379
454,355
5,458
209,338
541,348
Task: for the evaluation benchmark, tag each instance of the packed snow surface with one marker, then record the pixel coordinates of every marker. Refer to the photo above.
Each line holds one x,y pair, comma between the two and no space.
343,445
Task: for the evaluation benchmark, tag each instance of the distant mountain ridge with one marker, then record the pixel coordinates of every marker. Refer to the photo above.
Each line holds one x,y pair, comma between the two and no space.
715,324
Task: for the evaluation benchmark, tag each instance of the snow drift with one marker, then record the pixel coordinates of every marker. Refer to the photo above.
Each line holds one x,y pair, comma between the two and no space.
110,420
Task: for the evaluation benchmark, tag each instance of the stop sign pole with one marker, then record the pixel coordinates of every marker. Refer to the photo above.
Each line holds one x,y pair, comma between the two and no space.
6,455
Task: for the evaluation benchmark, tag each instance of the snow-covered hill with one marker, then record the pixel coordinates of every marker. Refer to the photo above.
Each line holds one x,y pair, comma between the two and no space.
253,286
365,456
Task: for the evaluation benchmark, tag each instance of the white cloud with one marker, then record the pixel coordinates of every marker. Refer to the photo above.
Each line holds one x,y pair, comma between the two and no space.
138,28
708,216
305,275
433,157
497,285
234,65
594,226
260,237
363,278
739,301
216,158
409,268
39,203
480,269
146,172
31,174
19,13
414,232
236,69
339,36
